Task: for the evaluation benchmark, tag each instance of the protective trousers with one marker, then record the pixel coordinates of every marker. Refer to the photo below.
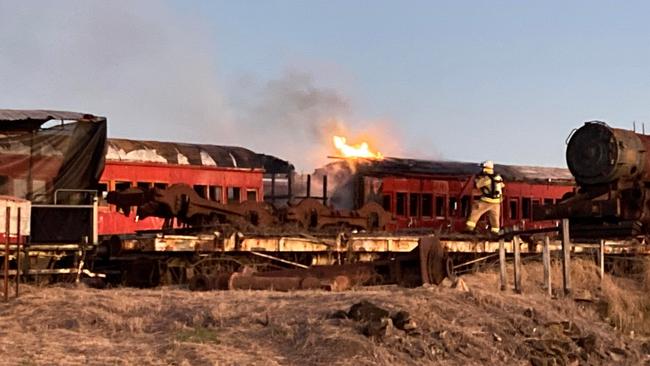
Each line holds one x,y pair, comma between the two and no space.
479,208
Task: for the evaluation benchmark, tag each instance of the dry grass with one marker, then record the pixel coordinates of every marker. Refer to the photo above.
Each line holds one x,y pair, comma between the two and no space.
168,326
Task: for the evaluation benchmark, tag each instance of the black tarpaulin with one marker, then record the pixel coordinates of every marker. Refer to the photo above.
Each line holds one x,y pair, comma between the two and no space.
36,161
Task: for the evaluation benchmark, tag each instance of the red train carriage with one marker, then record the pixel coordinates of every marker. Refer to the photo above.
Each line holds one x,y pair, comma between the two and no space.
219,173
439,194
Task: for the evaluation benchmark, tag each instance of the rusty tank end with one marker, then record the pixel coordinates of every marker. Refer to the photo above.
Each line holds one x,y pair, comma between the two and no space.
599,154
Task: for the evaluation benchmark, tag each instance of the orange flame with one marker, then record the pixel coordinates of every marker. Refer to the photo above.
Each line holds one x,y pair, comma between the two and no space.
361,150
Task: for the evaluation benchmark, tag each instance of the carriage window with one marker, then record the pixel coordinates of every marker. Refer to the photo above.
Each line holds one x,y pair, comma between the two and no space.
386,202
215,193
143,185
414,199
160,185
401,204
251,195
513,210
536,203
4,184
234,194
120,186
440,206
464,204
102,190
548,201
201,190
453,206
427,204
525,208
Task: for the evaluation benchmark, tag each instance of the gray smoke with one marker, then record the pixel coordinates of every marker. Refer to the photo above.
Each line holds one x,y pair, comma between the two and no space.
152,70
142,64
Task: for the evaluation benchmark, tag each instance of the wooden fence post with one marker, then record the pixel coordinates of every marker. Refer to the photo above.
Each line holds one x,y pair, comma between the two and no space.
6,259
546,259
516,243
601,259
502,265
566,257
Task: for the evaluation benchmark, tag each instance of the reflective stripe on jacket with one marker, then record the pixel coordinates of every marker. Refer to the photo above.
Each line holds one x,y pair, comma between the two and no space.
491,187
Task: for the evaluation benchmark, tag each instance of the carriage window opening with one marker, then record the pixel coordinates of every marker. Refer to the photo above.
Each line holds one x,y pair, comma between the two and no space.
440,206
414,199
120,186
427,204
464,204
102,191
548,201
216,193
251,195
160,185
400,205
201,190
386,202
536,203
143,185
234,194
4,184
525,208
453,206
513,210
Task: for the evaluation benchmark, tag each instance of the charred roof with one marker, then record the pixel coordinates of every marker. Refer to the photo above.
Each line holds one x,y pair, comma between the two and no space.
32,119
193,154
414,167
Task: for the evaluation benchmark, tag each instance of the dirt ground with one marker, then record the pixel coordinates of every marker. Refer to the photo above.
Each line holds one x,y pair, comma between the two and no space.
67,325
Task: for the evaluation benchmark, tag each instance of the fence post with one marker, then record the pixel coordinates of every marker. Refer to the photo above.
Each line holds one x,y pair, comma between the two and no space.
18,233
601,259
502,265
546,259
516,243
6,261
566,257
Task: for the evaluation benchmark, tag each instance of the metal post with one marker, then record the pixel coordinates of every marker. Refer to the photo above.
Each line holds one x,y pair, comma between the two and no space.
95,221
516,243
308,185
325,189
546,259
566,257
601,259
502,265
18,233
6,261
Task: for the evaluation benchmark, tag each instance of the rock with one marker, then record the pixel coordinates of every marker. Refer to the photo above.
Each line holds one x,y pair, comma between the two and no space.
587,343
441,334
401,319
70,324
367,311
460,285
529,313
378,328
496,337
645,348
339,314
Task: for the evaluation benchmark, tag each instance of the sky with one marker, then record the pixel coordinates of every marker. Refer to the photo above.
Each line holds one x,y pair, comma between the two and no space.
469,81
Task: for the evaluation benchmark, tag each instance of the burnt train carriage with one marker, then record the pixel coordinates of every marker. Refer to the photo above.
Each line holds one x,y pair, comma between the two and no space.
439,194
224,174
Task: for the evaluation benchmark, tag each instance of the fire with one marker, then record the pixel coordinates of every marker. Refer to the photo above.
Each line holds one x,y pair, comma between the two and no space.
361,150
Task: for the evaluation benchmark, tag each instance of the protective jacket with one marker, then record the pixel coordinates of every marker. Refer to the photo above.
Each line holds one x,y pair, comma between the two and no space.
491,187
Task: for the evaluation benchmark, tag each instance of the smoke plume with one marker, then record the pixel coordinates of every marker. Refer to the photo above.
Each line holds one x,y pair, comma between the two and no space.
152,70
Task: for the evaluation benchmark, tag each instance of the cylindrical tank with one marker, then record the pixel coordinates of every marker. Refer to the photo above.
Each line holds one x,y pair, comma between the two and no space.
599,154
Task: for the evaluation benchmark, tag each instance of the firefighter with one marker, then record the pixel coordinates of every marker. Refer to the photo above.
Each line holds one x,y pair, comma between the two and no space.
491,186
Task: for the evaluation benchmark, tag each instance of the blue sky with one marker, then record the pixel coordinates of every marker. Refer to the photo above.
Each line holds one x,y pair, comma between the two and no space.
473,80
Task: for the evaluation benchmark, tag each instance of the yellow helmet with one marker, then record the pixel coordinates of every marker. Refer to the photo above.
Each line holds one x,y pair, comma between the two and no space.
488,165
